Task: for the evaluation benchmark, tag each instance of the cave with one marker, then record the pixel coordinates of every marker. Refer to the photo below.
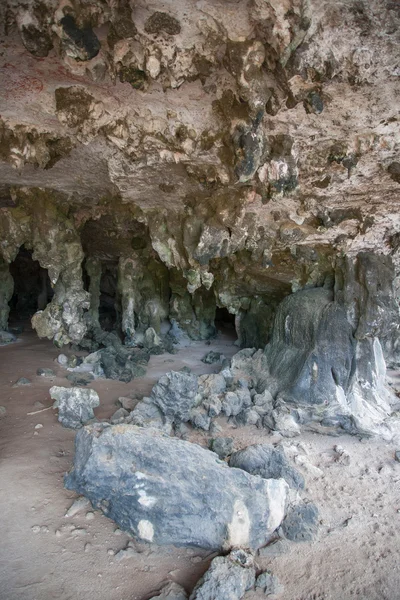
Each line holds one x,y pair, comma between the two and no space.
32,288
199,299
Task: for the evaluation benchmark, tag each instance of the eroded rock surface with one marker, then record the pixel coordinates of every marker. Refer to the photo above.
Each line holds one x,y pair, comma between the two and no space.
75,405
169,491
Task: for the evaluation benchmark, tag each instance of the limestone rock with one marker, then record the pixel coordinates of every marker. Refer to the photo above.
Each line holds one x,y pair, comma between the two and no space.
268,462
227,577
209,505
75,405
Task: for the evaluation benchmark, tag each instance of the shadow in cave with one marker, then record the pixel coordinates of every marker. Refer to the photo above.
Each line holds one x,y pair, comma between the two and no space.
32,288
109,311
225,323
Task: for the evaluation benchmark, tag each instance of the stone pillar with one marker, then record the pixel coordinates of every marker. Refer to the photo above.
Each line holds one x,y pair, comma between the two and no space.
6,292
127,268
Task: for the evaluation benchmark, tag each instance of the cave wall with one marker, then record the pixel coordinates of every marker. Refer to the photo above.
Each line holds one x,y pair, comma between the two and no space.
225,154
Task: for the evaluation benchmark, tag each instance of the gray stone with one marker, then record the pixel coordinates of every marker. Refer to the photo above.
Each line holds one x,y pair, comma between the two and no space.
137,476
268,583
80,378
175,395
397,455
3,411
227,375
75,405
301,522
46,373
228,578
231,404
7,338
127,403
213,405
119,416
21,382
212,384
200,419
212,357
62,360
223,446
268,462
249,416
171,591
147,414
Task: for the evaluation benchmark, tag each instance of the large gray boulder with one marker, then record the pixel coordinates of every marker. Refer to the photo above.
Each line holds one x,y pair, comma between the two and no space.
268,462
75,405
168,491
228,578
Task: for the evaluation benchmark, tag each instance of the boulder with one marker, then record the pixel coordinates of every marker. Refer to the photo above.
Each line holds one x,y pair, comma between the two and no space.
175,395
268,462
228,578
75,405
169,491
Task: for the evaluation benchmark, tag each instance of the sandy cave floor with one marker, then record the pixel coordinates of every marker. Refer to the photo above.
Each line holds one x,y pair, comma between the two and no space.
356,554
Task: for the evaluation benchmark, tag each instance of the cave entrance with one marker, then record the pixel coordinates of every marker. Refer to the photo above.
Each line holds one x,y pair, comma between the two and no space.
109,309
225,322
32,287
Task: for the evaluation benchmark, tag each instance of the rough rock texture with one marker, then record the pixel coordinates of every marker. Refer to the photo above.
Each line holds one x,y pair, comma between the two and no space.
172,591
228,577
168,491
75,405
198,155
268,462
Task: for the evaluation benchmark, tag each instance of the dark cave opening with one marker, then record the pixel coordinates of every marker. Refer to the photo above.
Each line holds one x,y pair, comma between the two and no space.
109,307
225,322
32,286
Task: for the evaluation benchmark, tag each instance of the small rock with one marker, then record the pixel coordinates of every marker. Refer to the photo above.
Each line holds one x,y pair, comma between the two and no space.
223,446
78,505
75,405
6,338
118,531
62,360
3,411
200,419
213,405
22,381
232,404
341,455
90,516
397,455
227,375
88,547
110,552
119,416
44,529
301,522
172,591
36,529
127,403
125,553
79,531
47,373
268,583
212,357
196,559
39,426
215,429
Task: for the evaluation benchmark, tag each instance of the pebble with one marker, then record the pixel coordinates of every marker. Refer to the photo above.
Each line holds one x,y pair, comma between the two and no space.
22,381
78,505
118,531
3,411
79,531
110,552
39,426
44,529
90,516
47,373
397,455
88,546
125,553
36,529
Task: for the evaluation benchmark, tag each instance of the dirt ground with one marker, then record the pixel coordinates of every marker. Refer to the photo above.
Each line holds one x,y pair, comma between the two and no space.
45,555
